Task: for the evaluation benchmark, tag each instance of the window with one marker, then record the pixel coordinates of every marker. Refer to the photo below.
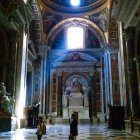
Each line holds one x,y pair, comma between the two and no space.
75,2
75,37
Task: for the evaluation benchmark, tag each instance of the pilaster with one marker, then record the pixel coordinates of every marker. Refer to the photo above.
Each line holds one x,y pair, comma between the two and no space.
137,61
59,94
92,96
133,96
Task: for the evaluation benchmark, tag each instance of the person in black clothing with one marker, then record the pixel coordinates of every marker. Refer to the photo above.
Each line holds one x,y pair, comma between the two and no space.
73,127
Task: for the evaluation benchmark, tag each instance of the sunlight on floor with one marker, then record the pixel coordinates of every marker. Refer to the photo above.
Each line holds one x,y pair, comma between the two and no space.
61,132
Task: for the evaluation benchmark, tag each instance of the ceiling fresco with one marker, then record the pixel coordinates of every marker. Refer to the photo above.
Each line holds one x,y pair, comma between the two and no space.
101,19
49,21
76,57
52,13
56,12
92,41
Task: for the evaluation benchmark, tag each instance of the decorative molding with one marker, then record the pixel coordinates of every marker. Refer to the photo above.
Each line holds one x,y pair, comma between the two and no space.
114,34
110,49
114,25
37,26
42,49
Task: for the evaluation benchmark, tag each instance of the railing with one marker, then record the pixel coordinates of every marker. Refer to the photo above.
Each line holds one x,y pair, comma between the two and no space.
133,126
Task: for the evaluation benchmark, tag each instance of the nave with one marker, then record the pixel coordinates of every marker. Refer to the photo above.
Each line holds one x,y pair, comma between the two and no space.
61,132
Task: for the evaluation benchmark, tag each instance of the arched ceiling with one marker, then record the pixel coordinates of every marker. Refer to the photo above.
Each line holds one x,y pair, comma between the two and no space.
76,21
87,7
57,14
55,11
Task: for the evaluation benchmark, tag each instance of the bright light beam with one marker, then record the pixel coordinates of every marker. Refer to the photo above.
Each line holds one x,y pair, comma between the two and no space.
75,2
75,37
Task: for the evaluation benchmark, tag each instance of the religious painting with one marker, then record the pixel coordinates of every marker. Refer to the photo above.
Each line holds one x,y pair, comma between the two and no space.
49,21
92,41
101,19
76,57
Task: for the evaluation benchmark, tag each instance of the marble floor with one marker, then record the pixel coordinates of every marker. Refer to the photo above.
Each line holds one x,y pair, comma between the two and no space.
61,132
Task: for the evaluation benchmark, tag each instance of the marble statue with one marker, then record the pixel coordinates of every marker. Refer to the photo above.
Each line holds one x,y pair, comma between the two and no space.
75,99
76,86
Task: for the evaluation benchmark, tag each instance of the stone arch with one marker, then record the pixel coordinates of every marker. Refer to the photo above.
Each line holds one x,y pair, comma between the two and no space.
76,21
83,80
85,76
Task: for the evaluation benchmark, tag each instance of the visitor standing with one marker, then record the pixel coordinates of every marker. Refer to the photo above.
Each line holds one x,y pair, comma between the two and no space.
41,129
73,127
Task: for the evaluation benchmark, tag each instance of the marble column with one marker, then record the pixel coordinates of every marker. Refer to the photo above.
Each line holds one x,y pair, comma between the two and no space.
59,95
133,90
44,82
21,71
90,103
29,87
41,82
47,86
92,97
137,61
103,87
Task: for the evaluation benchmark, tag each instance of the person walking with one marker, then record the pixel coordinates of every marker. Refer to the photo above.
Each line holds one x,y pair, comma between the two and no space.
73,127
41,129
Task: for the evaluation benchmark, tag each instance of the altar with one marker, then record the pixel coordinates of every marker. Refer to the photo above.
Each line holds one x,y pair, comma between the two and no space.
75,100
75,103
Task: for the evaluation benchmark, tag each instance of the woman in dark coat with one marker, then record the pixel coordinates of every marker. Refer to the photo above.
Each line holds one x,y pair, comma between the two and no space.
73,127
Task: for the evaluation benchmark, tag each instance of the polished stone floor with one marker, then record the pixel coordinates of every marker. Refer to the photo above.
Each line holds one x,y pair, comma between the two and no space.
61,132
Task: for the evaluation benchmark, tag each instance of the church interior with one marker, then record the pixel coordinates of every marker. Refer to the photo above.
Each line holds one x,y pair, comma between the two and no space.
59,57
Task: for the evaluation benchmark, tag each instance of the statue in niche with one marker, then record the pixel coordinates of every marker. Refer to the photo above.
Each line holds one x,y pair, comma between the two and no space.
76,89
76,86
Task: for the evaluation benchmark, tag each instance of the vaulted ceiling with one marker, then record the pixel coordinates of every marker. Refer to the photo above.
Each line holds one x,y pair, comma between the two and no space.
96,11
93,15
